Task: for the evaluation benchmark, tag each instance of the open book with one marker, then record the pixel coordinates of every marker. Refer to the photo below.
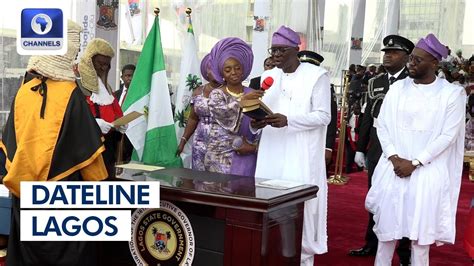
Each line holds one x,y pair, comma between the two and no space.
255,109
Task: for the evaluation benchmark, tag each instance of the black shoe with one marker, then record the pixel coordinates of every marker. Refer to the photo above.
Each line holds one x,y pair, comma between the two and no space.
404,252
405,260
363,252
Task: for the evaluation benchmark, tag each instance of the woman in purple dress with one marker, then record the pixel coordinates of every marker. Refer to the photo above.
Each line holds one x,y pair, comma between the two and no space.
199,121
232,147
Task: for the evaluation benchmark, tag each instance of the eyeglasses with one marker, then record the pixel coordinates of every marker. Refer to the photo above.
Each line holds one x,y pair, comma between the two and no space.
417,60
281,50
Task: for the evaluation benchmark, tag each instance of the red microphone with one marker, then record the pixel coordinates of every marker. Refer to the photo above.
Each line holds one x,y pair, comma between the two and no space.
267,83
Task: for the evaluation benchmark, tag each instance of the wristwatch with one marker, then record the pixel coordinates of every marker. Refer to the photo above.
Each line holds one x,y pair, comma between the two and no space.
416,163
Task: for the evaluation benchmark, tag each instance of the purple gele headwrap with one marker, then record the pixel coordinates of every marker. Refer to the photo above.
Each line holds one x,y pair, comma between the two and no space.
204,66
230,48
286,37
433,46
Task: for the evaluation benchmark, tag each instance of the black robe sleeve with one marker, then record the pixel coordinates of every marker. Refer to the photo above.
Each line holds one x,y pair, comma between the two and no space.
79,138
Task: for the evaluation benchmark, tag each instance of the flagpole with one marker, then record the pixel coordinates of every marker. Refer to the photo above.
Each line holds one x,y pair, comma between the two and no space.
190,27
189,81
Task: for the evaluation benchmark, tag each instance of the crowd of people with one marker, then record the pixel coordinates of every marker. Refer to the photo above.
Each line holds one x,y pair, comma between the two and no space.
412,148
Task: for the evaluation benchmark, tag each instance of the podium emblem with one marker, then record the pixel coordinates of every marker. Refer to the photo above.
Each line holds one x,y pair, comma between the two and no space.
162,236
161,240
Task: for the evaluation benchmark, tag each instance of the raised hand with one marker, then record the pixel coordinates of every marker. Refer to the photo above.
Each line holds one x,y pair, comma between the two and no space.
252,95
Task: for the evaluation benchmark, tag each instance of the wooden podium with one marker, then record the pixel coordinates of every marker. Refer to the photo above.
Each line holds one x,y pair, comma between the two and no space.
235,222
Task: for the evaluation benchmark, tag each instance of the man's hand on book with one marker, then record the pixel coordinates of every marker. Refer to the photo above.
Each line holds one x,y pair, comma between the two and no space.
258,124
252,95
276,120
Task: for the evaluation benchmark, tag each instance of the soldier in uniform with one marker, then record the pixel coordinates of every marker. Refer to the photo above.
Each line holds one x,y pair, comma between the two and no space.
396,52
316,59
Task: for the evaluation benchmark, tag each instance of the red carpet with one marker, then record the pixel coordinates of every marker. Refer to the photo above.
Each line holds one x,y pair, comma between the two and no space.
347,222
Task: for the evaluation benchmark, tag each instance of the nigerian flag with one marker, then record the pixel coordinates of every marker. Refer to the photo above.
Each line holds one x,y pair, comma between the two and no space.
190,79
153,135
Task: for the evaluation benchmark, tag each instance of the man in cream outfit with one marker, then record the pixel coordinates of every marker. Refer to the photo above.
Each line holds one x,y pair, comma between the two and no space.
415,186
293,139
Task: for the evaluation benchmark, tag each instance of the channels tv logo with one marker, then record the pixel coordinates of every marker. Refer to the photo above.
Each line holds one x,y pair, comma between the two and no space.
42,29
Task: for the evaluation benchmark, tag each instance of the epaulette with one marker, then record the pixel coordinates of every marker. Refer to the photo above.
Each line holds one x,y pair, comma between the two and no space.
379,75
370,85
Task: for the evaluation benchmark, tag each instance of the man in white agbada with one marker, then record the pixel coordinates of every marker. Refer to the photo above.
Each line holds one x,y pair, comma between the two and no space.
292,145
415,186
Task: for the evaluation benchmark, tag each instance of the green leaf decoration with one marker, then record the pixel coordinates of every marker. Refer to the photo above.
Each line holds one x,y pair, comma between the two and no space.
179,117
192,82
182,116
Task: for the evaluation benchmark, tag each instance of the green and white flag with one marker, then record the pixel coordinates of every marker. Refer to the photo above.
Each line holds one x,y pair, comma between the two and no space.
153,135
190,79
